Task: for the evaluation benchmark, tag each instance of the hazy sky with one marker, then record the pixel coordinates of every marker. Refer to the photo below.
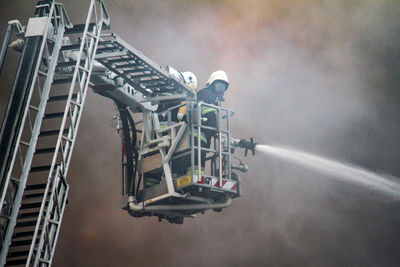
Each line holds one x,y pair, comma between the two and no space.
319,76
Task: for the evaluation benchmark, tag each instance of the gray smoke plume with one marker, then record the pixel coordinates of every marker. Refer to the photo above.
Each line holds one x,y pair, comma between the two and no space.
318,76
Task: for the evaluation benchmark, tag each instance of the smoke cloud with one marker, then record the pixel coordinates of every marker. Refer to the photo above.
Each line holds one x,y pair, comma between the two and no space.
319,76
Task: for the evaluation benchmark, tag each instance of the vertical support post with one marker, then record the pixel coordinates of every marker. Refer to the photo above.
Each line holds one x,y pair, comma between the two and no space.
220,148
199,139
4,47
228,126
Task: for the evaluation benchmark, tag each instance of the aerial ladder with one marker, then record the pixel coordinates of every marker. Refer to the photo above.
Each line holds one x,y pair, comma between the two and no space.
59,61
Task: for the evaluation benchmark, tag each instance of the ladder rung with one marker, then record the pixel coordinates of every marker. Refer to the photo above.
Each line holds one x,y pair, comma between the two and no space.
62,81
5,216
15,254
15,180
44,261
24,143
42,73
61,97
67,139
35,186
33,107
83,69
54,222
76,103
40,168
45,150
52,132
53,115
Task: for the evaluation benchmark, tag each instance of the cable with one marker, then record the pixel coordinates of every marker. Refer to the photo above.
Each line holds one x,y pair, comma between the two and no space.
129,146
135,152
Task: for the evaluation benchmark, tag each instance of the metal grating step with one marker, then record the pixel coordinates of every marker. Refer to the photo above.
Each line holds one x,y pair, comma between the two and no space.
40,168
15,262
35,187
53,115
34,195
79,28
28,223
106,49
62,81
28,215
31,205
61,97
15,254
70,47
20,243
52,132
25,234
66,64
45,150
138,70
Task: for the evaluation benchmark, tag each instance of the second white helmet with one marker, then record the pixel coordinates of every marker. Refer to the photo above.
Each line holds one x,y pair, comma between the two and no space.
190,79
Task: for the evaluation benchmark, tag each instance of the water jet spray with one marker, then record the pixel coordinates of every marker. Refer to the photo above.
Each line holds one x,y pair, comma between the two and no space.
335,169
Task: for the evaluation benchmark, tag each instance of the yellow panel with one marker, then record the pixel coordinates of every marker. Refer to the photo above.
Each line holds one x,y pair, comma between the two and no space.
184,181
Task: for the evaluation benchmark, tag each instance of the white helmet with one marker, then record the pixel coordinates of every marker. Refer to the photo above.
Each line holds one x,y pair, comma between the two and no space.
190,79
218,75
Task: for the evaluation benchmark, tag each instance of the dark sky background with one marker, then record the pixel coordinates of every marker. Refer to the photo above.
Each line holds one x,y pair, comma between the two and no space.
320,76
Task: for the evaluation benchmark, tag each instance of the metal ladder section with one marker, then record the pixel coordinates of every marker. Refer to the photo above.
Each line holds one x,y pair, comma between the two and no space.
34,196
139,71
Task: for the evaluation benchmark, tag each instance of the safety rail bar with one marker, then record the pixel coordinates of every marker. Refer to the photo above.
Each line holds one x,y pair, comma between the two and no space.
218,144
221,155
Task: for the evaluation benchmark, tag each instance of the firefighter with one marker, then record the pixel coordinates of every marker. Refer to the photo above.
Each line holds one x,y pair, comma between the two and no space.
186,77
190,80
212,93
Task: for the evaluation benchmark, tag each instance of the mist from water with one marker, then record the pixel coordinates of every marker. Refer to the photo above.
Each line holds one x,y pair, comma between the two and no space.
320,75
345,172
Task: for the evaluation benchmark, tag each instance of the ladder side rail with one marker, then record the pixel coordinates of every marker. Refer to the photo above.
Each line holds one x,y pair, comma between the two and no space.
4,47
199,107
83,83
63,204
71,91
31,149
192,113
228,126
220,148
44,233
10,159
53,213
38,122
